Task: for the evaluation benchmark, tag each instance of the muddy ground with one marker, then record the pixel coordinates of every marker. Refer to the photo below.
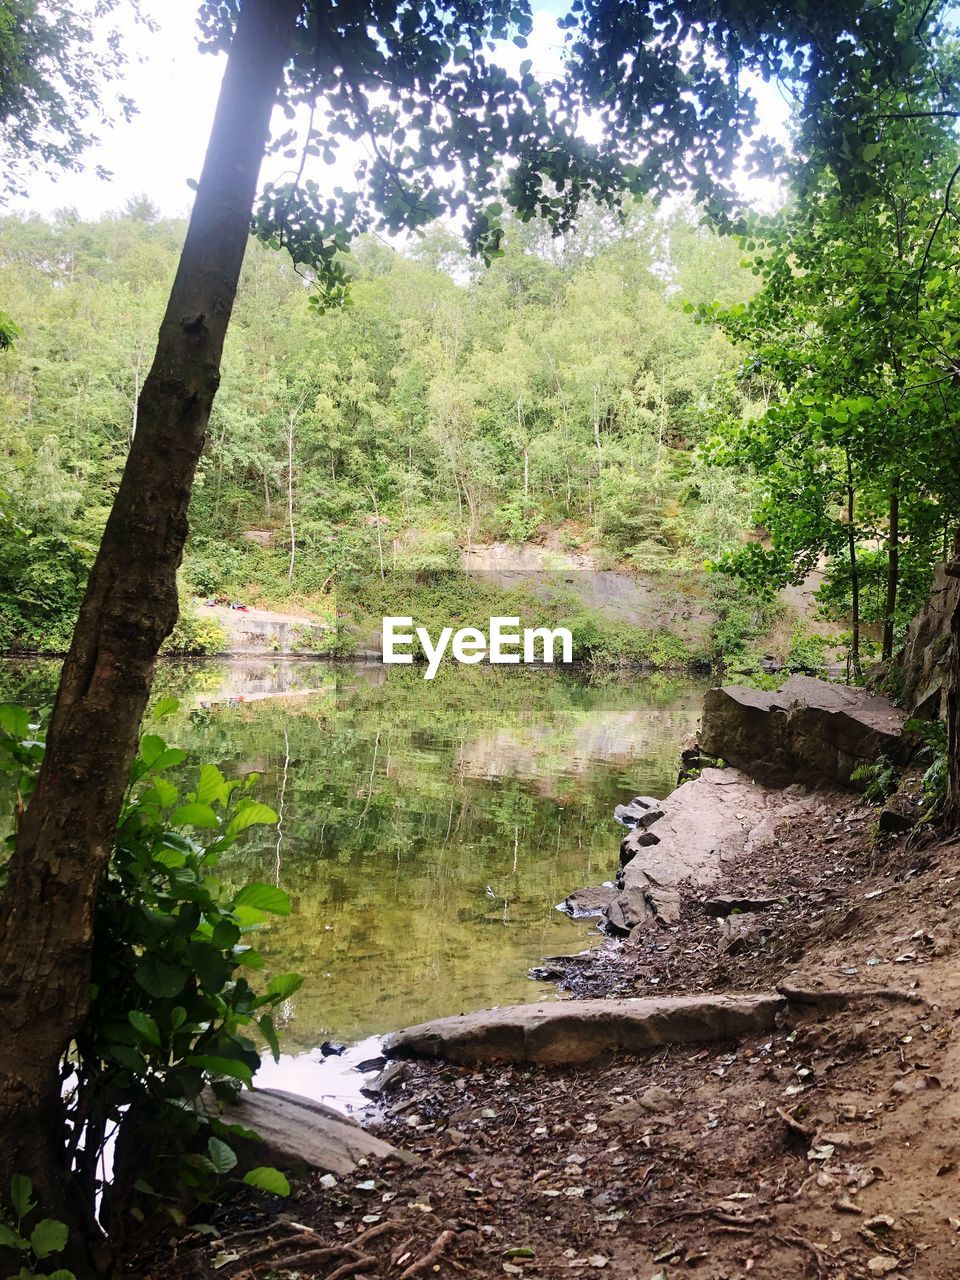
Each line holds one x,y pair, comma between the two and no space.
829,1149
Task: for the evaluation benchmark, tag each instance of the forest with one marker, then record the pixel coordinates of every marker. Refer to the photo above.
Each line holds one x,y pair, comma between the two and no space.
596,394
562,396
541,321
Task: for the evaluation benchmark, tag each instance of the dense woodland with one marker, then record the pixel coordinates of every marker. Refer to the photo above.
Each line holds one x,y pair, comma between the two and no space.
564,392
569,395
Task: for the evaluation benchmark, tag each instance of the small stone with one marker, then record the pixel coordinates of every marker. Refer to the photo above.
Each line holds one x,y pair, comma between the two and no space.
881,1265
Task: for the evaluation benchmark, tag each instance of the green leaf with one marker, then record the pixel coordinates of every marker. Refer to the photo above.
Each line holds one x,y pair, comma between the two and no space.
222,1157
263,897
225,935
284,984
211,785
248,917
159,978
151,746
48,1236
165,707
166,792
9,1239
269,1033
194,815
172,859
145,1025
21,1193
233,1068
267,1179
61,1274
250,815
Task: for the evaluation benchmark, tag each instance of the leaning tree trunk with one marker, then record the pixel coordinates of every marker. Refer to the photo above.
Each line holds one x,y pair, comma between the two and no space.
951,816
130,606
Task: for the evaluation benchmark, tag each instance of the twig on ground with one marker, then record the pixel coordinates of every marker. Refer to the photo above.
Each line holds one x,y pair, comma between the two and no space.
799,1242
265,1250
374,1233
729,1219
794,1125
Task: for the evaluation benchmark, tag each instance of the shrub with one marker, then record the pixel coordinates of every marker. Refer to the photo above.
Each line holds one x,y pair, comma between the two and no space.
194,635
172,1009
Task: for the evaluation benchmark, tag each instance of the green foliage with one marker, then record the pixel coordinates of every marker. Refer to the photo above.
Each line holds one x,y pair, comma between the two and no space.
49,118
880,780
742,616
604,641
194,635
845,434
37,1240
933,736
807,650
172,1010
404,409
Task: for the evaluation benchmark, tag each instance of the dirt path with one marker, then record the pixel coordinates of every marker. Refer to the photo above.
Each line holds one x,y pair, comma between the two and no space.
829,1149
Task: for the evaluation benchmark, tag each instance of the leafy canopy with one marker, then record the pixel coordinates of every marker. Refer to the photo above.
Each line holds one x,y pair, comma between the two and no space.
451,132
57,63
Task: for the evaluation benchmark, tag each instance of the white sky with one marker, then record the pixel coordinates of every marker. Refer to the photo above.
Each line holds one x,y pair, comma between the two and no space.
175,88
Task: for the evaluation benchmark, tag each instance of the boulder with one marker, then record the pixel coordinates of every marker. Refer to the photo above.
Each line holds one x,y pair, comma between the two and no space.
712,818
578,1031
809,731
628,909
297,1132
588,902
628,815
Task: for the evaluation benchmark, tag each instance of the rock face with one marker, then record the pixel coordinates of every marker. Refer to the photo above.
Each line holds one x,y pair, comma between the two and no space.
809,731
578,1031
297,1131
920,666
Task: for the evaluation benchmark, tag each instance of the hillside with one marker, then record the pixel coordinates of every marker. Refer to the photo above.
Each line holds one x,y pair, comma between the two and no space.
547,412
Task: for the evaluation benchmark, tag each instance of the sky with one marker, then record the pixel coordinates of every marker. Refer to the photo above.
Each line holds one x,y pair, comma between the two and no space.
175,88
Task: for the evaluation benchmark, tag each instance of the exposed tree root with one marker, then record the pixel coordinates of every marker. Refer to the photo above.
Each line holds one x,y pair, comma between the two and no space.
429,1258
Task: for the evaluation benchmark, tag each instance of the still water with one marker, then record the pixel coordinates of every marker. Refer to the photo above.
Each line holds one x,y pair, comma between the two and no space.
427,830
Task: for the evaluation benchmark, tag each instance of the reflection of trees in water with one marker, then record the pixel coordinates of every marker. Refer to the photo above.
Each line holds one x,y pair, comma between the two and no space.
387,844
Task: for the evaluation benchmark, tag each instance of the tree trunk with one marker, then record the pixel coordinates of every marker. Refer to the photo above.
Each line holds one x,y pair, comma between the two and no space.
893,569
130,605
854,573
951,813
293,532
376,516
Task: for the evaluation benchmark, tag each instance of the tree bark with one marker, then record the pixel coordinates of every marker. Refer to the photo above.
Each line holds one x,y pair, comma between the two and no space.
893,569
854,573
130,606
951,813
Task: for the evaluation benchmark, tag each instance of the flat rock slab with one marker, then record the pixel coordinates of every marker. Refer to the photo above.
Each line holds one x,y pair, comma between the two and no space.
578,1031
297,1132
707,823
809,731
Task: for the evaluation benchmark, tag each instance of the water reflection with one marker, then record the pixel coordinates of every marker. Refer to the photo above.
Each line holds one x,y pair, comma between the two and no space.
427,829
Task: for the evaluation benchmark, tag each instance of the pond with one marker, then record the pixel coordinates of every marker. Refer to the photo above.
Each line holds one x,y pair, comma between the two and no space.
428,829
